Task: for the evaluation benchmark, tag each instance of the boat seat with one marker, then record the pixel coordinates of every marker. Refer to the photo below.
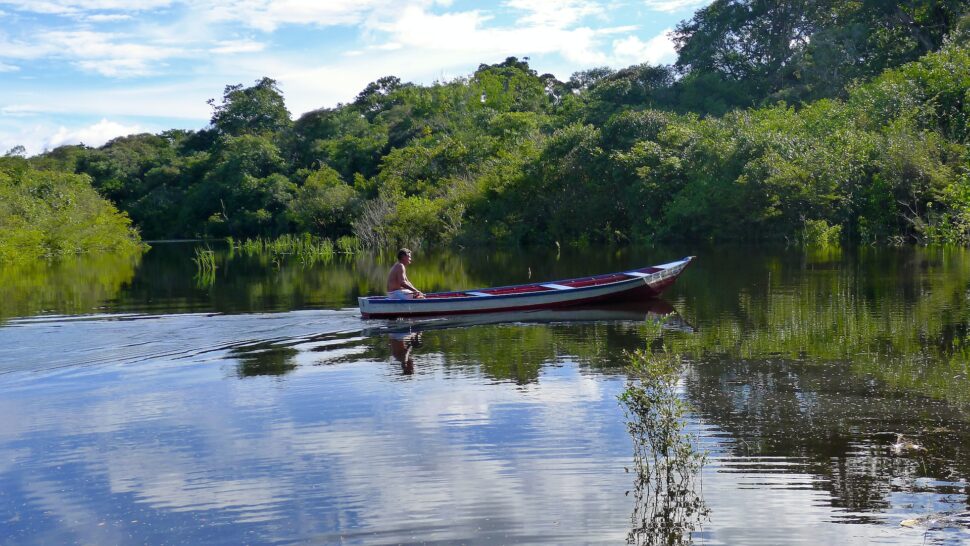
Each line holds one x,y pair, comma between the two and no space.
473,293
556,286
636,273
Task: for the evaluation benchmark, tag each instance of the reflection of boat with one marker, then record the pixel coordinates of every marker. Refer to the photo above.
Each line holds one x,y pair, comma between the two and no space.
642,283
655,310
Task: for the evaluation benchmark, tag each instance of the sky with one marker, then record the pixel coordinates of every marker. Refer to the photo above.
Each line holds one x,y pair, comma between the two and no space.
86,71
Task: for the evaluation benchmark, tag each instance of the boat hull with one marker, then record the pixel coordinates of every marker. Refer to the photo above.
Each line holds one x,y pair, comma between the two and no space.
633,285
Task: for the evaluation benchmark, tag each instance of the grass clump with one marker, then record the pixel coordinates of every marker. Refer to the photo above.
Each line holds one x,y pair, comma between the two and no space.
308,249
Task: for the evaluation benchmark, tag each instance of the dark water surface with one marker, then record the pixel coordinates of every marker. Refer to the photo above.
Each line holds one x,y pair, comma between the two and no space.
143,403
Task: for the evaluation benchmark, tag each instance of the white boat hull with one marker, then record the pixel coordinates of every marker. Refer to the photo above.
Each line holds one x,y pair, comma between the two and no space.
638,284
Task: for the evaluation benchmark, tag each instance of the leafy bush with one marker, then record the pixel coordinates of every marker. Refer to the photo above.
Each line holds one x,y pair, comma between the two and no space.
45,214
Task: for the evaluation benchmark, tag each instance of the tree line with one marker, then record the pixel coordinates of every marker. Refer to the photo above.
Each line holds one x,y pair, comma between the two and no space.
814,120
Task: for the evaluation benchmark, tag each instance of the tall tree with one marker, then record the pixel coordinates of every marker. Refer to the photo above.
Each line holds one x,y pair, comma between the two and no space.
251,110
750,41
749,51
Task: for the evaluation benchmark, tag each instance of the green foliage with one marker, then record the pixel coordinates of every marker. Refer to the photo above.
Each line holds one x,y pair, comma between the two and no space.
510,86
348,244
45,214
668,507
205,267
855,129
324,204
205,261
819,232
306,248
251,110
745,52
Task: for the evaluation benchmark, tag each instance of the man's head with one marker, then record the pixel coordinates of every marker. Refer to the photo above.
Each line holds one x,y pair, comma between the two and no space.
404,256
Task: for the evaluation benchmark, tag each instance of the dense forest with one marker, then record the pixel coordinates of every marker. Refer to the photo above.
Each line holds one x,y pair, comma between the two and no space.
804,120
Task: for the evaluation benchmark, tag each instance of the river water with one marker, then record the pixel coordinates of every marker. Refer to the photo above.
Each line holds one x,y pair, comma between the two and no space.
827,393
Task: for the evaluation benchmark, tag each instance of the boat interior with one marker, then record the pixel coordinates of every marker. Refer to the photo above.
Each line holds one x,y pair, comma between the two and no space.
569,284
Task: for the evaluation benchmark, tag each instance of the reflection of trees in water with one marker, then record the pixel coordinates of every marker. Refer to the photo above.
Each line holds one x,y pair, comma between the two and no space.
71,285
518,352
667,504
824,359
900,315
264,359
839,426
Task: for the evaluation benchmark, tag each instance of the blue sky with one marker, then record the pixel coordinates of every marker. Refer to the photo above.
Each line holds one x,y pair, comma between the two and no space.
90,70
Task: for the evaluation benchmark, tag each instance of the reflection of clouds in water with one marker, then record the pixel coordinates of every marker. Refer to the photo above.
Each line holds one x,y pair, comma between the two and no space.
562,394
10,458
421,477
86,525
799,512
17,422
339,449
250,449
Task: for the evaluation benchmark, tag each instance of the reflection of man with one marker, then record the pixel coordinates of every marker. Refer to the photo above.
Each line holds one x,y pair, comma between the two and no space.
401,345
398,285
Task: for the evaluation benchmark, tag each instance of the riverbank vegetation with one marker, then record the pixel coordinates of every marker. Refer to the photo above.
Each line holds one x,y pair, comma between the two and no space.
50,213
809,121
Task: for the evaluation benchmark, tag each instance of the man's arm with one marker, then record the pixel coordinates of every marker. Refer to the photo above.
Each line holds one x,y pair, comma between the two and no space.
407,284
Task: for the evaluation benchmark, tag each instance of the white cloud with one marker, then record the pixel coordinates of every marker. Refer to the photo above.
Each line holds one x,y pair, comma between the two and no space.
109,54
632,50
268,15
70,7
415,45
420,46
390,46
557,13
106,53
670,6
464,35
230,47
19,110
34,120
40,136
106,17
201,47
92,135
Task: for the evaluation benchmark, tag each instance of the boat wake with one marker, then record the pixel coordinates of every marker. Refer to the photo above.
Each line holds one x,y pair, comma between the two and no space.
71,344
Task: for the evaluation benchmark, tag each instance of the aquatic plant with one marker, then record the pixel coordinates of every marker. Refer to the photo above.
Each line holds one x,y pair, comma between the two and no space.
205,259
668,506
205,266
308,249
349,244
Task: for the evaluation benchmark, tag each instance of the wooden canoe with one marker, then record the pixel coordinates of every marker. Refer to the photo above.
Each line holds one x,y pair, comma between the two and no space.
647,282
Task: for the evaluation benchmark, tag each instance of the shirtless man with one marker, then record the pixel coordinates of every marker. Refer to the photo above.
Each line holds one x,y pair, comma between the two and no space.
398,285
